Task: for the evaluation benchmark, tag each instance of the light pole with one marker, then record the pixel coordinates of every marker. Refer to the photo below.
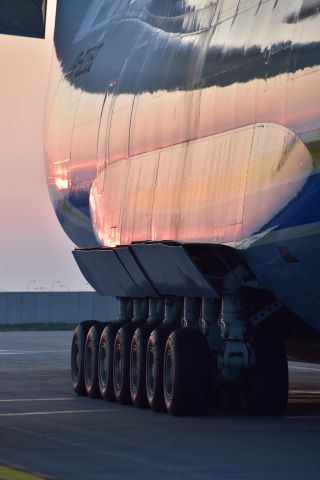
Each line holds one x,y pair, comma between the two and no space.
55,282
65,286
29,283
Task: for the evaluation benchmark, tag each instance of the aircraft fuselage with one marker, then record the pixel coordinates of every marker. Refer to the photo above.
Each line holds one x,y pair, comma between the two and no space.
193,121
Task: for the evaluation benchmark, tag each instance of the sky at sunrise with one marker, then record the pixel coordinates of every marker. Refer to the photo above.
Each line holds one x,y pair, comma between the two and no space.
35,253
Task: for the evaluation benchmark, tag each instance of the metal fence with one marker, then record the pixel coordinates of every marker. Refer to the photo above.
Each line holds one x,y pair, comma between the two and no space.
55,307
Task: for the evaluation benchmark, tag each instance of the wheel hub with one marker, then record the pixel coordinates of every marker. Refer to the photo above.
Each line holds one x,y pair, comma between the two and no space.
168,374
150,371
89,364
118,366
75,361
134,369
102,365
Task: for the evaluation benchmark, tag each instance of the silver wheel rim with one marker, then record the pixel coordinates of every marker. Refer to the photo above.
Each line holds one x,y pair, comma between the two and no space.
89,364
168,374
103,366
117,366
150,371
75,360
134,370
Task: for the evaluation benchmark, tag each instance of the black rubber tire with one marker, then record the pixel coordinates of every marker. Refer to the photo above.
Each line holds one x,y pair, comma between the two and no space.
138,353
121,363
154,366
230,396
91,352
77,356
215,400
187,373
105,361
264,390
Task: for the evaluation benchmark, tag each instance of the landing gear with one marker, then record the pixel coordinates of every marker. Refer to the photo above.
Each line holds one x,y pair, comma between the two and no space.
229,397
77,356
121,363
138,352
202,350
91,352
186,375
264,389
154,366
105,361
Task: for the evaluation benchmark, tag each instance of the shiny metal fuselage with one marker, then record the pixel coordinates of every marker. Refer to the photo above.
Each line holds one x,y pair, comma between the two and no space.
194,121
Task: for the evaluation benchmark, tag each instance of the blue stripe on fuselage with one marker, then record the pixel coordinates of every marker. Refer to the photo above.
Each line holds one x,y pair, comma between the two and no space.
302,210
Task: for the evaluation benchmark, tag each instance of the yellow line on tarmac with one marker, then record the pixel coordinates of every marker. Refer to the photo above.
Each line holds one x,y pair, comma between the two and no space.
7,473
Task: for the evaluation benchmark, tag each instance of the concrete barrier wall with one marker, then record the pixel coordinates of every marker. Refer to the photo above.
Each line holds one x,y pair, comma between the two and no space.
55,307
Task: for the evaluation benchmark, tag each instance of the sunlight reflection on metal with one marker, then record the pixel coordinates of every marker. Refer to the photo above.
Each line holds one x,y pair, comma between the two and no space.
190,130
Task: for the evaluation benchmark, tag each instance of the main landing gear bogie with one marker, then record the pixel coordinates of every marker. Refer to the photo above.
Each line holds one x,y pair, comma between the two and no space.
174,366
130,364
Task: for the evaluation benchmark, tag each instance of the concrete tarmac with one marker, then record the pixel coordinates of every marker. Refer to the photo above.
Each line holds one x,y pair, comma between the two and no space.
46,428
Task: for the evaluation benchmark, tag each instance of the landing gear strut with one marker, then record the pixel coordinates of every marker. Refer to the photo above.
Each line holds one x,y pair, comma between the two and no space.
253,365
